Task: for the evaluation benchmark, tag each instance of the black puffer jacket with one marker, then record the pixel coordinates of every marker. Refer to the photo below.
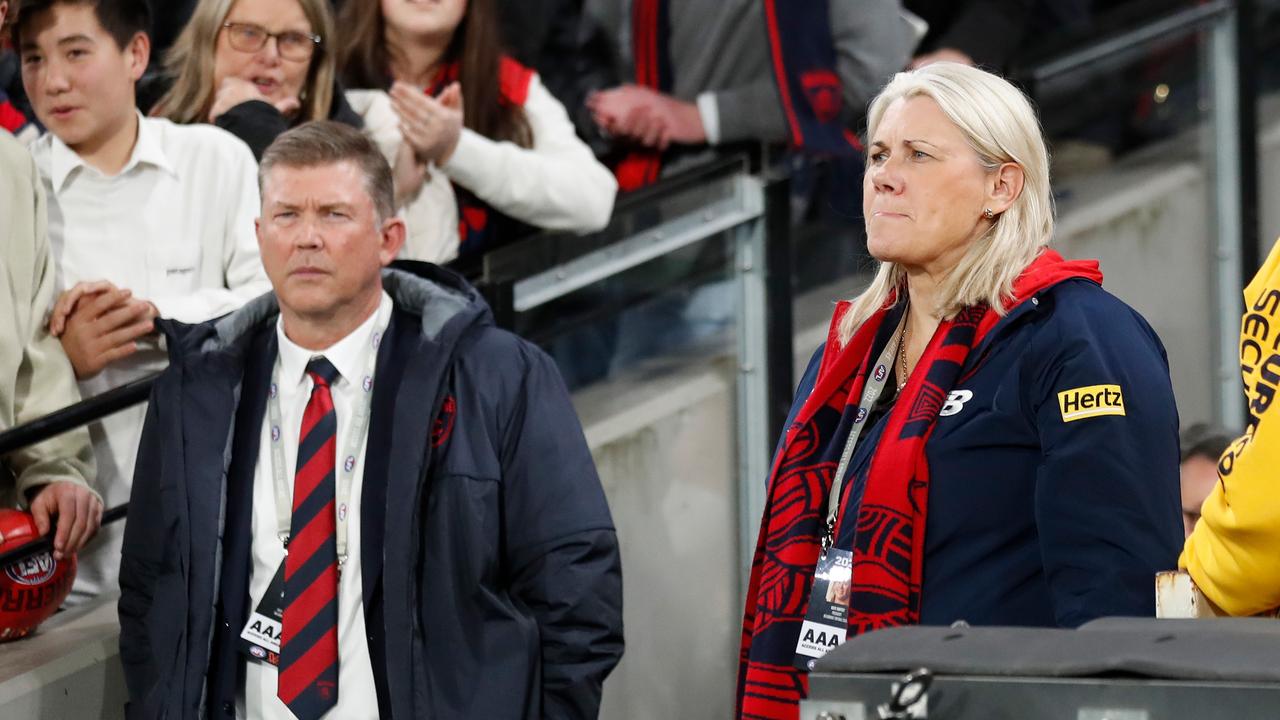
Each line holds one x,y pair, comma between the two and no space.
492,585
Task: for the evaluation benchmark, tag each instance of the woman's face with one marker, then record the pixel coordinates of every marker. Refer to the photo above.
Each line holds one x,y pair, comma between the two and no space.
276,76
925,190
418,18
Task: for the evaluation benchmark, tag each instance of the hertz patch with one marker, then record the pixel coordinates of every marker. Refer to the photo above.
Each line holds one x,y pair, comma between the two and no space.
1092,401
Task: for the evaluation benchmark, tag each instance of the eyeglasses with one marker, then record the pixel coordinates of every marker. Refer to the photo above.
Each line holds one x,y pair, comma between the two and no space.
250,38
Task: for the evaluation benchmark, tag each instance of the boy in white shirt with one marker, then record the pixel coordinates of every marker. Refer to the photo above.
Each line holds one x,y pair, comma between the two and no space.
146,219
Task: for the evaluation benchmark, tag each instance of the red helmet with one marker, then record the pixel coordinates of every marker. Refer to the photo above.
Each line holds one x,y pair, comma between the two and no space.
33,589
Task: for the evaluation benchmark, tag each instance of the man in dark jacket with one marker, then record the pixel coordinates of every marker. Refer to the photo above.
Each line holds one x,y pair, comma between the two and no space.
476,573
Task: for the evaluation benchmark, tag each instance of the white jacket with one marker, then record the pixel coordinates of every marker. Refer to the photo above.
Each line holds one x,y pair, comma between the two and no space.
556,185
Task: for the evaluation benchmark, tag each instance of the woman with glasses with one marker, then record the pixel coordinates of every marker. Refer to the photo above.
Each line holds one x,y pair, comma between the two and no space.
259,67
255,68
475,120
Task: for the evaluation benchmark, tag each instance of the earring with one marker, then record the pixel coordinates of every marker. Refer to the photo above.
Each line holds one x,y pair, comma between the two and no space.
988,214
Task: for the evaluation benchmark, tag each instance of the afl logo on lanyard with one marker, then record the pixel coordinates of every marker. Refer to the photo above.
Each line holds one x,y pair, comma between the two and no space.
881,372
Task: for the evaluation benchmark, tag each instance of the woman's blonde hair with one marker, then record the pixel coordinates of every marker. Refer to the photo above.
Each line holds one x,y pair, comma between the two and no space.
190,64
1000,125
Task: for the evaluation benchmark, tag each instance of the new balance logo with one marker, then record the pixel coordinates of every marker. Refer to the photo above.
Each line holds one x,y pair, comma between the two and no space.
1091,401
955,402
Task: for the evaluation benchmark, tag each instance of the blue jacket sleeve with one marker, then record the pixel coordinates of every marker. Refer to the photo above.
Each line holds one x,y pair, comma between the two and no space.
1107,494
562,549
142,560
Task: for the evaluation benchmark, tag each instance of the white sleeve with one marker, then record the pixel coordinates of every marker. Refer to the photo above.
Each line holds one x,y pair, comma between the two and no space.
709,113
242,273
431,215
557,184
380,121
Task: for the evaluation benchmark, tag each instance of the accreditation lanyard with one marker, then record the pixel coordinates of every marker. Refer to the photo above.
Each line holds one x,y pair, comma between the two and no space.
345,472
870,394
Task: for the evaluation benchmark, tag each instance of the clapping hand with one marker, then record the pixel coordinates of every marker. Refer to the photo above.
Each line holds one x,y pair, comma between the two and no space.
431,126
647,117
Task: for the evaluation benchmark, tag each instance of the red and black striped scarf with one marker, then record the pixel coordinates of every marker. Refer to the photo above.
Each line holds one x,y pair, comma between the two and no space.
888,553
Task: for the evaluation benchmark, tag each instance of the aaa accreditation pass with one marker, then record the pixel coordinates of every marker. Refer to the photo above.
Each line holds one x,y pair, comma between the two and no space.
827,620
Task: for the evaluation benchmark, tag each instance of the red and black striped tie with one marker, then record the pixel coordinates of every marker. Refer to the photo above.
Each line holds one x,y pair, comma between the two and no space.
308,681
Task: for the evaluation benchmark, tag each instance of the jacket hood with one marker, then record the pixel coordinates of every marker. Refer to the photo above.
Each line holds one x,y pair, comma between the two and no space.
446,304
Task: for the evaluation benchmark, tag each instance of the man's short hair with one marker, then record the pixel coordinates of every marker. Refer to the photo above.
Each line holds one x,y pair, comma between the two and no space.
122,19
1206,441
324,142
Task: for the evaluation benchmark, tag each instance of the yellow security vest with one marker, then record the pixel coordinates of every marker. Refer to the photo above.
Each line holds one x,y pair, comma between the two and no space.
1234,553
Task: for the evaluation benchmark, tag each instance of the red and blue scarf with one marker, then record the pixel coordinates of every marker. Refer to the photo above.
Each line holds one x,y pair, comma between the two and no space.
804,66
888,553
803,58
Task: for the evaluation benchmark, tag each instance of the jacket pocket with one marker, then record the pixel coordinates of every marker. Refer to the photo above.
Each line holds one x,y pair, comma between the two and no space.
467,521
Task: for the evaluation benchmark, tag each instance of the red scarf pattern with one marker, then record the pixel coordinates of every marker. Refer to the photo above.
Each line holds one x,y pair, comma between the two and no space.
889,550
475,234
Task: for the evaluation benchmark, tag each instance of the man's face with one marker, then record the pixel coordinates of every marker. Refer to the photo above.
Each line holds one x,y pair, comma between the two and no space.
322,243
1199,475
80,82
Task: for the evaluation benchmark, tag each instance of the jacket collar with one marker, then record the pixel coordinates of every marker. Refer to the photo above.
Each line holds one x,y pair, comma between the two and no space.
440,299
147,149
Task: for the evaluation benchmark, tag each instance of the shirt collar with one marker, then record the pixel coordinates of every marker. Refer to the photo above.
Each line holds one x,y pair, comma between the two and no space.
347,355
146,149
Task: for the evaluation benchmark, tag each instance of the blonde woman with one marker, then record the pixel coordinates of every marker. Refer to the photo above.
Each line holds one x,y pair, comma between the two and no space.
255,68
987,435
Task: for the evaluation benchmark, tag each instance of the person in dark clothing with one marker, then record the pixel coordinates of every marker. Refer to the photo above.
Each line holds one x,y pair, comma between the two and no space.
168,18
450,551
985,33
987,435
571,52
255,68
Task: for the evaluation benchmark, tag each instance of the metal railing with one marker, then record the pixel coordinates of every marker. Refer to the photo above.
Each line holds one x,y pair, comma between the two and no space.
58,422
690,208
1061,84
706,202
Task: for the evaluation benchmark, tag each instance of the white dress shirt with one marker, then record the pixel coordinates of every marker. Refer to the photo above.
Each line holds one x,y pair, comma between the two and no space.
357,697
175,226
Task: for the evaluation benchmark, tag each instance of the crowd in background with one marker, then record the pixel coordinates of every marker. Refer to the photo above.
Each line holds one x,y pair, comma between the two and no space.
145,119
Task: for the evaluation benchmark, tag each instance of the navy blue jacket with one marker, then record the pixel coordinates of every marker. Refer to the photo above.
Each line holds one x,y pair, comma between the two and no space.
1034,519
492,584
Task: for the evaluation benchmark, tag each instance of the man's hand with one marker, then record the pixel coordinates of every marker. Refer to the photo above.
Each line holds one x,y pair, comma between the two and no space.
67,302
233,91
941,55
104,328
431,126
79,514
647,117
